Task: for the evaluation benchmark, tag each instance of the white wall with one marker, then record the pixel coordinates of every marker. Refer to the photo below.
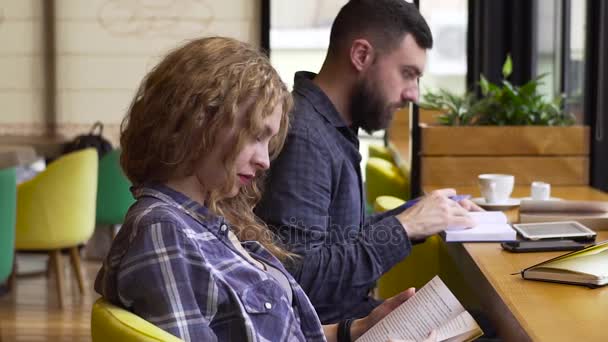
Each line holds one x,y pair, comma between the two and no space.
21,65
103,50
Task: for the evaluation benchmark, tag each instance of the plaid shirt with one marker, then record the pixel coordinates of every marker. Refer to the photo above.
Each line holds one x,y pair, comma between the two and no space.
172,264
314,202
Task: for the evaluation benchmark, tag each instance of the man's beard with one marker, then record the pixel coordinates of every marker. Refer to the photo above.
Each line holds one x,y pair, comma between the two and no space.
369,110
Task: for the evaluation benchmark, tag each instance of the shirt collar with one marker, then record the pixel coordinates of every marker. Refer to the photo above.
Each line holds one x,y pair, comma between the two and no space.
304,86
180,201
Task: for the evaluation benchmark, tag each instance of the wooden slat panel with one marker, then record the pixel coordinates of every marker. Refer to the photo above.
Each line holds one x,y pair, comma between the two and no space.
399,129
463,171
399,132
428,116
504,140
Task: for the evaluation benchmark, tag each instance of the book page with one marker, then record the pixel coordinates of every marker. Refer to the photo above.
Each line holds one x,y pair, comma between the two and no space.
459,325
595,264
431,307
482,232
484,217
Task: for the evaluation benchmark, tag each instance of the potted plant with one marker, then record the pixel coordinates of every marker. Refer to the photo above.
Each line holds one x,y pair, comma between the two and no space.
508,129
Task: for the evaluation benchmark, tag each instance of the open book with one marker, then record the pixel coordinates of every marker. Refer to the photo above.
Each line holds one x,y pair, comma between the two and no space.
592,214
588,267
489,226
433,307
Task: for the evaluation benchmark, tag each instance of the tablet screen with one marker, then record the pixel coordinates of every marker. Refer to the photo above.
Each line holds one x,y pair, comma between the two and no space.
553,230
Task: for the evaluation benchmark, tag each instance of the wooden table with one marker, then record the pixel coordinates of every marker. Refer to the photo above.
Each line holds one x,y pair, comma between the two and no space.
524,310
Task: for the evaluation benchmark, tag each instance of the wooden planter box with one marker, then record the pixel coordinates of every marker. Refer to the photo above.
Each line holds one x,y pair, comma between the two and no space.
454,156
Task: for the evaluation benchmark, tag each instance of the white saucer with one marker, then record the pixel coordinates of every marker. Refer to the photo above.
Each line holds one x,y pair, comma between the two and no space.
510,203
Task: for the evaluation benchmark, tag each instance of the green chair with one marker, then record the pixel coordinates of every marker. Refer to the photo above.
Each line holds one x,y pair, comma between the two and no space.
113,195
8,212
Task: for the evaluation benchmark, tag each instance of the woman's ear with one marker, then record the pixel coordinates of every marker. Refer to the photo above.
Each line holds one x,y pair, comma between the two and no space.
361,54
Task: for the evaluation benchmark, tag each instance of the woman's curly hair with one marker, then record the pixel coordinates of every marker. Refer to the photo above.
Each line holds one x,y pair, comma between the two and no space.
185,105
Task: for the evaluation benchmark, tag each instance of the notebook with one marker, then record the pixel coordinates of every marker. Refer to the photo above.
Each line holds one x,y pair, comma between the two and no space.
587,267
489,226
433,307
592,214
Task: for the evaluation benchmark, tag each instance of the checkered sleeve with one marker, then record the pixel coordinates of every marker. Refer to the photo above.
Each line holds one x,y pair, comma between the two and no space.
164,280
393,212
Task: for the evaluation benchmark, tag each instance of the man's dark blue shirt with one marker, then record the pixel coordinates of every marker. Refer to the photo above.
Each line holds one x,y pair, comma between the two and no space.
314,201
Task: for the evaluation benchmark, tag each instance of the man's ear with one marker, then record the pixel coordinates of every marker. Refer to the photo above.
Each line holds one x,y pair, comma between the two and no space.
361,54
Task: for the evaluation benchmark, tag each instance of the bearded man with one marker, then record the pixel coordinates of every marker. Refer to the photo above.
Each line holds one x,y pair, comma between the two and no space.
314,198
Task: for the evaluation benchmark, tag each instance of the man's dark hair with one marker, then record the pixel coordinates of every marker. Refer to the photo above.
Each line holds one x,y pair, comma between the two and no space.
383,22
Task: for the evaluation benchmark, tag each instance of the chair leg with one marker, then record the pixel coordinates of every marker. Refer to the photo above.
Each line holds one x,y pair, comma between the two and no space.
12,280
50,266
56,262
75,258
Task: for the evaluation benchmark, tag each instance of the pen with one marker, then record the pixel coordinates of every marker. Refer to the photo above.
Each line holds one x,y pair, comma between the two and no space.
456,198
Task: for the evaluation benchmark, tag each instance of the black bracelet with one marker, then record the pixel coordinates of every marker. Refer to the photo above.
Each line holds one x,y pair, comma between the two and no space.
344,330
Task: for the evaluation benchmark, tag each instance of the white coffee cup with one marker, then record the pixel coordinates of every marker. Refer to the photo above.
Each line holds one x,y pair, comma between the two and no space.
496,188
540,191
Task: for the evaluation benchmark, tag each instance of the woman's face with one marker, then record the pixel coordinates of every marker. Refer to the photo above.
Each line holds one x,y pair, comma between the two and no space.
252,158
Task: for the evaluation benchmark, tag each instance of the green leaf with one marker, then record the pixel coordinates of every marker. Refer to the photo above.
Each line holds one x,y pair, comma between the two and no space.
507,68
501,103
484,85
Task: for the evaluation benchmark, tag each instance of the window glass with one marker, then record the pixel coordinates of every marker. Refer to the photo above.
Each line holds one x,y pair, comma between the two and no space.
561,51
447,60
299,34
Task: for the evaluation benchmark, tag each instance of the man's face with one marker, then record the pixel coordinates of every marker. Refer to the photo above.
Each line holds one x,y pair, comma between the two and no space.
390,83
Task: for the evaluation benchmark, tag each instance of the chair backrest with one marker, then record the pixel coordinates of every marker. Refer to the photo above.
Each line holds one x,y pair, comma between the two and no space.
113,195
112,323
384,178
8,198
56,209
386,203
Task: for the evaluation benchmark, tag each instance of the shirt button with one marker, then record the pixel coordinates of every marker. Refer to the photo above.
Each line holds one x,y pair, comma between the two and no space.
223,227
267,305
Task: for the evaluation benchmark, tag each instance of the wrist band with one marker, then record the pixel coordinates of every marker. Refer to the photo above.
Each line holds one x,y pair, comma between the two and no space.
344,330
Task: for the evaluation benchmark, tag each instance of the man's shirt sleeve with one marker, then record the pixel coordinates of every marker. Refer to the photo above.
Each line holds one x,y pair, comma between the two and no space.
165,280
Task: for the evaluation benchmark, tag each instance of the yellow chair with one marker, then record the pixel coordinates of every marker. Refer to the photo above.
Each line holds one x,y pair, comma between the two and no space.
417,269
402,164
383,177
56,210
380,151
112,323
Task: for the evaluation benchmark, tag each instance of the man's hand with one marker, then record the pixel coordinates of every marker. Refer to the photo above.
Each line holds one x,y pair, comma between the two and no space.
434,213
469,205
362,325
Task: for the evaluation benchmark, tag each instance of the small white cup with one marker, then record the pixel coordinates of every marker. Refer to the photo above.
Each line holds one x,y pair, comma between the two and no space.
540,191
496,188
